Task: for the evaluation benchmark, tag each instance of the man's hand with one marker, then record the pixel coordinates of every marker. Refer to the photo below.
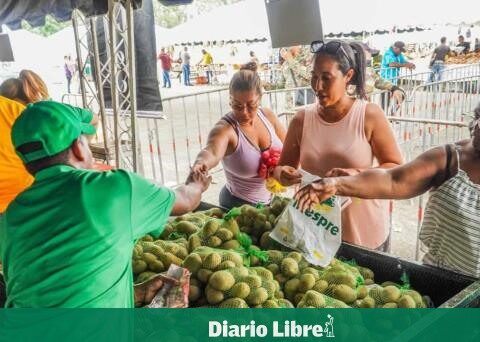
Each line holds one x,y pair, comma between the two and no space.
199,167
338,172
287,175
398,96
145,292
410,66
201,178
315,193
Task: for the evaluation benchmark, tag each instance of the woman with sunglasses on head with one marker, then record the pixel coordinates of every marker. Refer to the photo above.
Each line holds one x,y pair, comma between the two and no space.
239,139
341,135
451,225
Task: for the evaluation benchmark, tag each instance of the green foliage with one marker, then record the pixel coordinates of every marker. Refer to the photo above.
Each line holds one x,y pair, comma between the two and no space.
170,16
51,26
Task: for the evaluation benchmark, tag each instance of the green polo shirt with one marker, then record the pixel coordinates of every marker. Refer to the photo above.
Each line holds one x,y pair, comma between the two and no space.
67,240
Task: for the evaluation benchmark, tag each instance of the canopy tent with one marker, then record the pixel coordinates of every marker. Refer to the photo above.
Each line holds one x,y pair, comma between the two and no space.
377,15
247,20
243,20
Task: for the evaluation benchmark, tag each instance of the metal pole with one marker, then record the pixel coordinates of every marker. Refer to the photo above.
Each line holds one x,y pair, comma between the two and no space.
113,75
132,84
79,57
99,85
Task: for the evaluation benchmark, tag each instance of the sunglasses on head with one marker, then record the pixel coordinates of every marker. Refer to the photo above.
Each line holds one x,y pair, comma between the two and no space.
330,48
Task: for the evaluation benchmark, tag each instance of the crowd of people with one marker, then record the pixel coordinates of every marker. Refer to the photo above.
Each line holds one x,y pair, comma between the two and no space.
67,230
184,60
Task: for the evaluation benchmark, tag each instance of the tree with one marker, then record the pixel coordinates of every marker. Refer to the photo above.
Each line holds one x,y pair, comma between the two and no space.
166,16
170,16
51,26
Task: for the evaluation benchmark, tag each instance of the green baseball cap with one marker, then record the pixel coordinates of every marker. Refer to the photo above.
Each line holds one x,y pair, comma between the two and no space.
46,128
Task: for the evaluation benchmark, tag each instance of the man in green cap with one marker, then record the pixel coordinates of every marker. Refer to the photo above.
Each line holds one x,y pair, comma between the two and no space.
67,240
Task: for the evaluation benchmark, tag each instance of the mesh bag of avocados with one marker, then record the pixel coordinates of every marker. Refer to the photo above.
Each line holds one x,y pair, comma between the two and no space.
217,233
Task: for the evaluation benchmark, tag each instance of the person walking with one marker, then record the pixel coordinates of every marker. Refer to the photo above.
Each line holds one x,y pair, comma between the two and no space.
185,60
166,62
437,63
69,69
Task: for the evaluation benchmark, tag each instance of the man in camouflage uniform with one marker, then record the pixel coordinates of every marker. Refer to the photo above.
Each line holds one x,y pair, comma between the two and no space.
296,72
374,83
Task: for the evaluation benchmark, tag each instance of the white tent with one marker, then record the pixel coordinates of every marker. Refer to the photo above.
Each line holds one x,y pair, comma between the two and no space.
162,36
248,19
370,15
243,20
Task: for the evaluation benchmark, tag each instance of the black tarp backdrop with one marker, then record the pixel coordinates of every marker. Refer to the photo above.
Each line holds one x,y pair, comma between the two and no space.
148,94
12,12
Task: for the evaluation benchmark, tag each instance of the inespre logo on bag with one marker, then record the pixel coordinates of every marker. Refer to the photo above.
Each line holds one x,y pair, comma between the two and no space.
316,233
318,214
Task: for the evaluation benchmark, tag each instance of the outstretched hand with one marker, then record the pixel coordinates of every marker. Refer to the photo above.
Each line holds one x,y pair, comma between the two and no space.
315,193
287,175
338,172
199,177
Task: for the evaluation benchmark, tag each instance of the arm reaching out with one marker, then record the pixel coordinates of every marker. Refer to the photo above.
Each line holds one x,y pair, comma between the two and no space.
188,196
286,171
216,148
402,182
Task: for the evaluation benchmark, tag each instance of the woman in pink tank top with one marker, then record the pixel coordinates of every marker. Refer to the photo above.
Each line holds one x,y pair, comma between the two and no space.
238,141
341,135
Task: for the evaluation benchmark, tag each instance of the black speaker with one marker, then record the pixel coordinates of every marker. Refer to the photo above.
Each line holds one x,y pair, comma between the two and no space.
294,22
6,53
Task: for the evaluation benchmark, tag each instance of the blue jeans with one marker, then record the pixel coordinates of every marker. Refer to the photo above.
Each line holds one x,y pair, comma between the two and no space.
209,76
166,79
437,70
186,74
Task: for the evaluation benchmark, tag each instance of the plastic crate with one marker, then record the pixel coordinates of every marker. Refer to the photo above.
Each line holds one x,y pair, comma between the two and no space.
444,287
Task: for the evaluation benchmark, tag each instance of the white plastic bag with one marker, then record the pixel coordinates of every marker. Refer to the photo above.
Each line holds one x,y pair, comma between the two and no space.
316,233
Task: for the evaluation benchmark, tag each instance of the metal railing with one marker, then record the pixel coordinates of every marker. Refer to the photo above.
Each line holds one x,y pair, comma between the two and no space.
433,114
170,140
409,79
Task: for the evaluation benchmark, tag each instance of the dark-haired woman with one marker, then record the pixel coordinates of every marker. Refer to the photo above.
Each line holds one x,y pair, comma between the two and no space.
450,230
239,139
341,135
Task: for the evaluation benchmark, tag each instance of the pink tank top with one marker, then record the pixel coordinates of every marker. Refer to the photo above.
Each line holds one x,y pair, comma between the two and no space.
241,167
343,144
